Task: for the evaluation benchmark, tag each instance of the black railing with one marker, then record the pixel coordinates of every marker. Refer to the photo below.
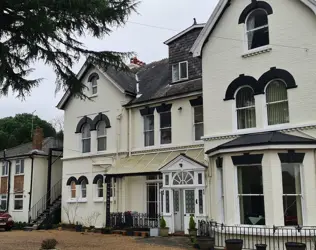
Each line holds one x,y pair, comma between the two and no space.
133,220
274,237
45,201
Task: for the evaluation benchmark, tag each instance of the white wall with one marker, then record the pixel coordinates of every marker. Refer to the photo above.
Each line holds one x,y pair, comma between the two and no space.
57,171
222,62
109,101
39,179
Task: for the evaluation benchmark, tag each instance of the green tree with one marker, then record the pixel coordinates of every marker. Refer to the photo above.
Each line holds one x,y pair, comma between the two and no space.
18,129
48,30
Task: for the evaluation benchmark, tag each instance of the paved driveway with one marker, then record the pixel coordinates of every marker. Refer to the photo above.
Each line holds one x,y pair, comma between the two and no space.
20,240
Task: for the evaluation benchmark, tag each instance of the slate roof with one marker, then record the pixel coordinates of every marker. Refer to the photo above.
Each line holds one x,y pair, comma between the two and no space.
260,139
154,83
26,148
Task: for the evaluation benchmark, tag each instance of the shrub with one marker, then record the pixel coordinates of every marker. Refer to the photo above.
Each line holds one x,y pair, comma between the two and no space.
192,223
162,223
49,244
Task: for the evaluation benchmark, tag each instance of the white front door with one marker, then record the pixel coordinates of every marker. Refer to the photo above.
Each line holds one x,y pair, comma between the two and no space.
189,206
178,209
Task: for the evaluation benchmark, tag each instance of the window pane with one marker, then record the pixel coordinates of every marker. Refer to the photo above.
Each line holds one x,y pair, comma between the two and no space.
198,114
189,202
258,38
149,122
250,180
166,179
252,210
102,144
201,201
86,131
245,98
176,200
175,72
94,90
199,131
165,120
149,138
18,204
100,192
292,210
167,201
246,118
86,145
161,202
22,167
256,19
183,70
165,136
200,178
291,178
276,91
101,130
3,205
278,113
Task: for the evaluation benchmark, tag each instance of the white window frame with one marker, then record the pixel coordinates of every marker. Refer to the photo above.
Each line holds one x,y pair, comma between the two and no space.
221,195
158,183
4,197
94,85
246,31
165,128
18,199
97,188
194,124
5,169
148,131
19,166
266,118
179,70
71,189
101,137
85,138
83,189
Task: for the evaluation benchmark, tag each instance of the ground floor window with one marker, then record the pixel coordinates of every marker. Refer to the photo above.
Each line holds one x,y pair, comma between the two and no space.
100,188
153,199
292,194
250,192
3,202
18,202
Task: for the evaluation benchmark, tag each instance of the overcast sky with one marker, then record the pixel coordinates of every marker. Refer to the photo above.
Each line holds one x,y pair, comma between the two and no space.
172,16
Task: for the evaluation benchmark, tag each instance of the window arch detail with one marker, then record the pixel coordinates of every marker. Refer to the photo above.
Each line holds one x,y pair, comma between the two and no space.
70,180
81,178
97,178
183,178
251,7
245,108
84,120
98,118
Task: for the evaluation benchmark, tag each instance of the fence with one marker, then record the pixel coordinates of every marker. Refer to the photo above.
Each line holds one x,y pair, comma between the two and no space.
134,220
274,237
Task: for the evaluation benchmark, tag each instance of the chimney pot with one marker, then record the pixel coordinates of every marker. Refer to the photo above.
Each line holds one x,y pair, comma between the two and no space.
38,137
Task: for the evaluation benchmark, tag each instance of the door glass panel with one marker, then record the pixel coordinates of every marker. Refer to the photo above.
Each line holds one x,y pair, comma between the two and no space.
201,201
189,202
167,202
176,201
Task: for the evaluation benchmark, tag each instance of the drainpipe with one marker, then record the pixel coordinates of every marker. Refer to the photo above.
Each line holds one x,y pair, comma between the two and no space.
49,176
9,179
31,183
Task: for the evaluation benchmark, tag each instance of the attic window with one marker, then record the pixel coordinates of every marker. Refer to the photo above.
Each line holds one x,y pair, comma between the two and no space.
179,71
93,80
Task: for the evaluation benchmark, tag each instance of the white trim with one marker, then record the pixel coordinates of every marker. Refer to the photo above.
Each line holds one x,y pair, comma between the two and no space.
179,71
194,26
180,158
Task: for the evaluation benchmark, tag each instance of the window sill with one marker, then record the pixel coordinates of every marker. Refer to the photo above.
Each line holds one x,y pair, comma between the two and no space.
98,200
19,174
257,51
77,201
20,210
82,200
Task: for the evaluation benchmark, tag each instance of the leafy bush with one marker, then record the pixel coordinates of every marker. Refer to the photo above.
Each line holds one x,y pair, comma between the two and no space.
49,244
192,223
162,223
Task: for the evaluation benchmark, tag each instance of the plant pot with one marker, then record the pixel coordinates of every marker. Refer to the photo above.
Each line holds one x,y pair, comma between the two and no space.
295,246
205,242
261,246
164,232
234,244
192,232
154,232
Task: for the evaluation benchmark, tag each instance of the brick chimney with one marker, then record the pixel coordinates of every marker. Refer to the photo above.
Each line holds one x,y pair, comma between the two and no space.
38,137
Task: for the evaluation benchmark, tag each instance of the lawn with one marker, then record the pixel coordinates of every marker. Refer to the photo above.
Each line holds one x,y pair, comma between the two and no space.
20,240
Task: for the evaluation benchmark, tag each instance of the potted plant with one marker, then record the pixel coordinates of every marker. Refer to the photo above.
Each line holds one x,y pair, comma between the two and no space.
192,227
234,244
295,246
205,242
49,244
78,227
261,246
164,230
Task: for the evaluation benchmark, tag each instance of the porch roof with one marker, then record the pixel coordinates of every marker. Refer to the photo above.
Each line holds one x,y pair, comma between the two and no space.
146,163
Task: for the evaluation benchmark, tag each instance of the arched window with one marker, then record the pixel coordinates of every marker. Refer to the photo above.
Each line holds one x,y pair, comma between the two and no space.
83,186
245,107
277,103
73,190
100,188
101,136
257,29
86,138
94,85
183,178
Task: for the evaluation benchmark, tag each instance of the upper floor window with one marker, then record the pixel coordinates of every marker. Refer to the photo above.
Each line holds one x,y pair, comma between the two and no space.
149,130
73,190
19,166
198,122
101,136
5,168
245,107
165,128
179,71
257,29
93,80
277,103
86,138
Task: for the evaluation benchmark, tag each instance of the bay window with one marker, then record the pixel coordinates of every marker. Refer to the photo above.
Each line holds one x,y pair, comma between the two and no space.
245,108
292,194
250,193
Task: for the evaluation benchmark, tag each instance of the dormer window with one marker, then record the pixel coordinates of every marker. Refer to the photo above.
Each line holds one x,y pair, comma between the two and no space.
93,80
179,71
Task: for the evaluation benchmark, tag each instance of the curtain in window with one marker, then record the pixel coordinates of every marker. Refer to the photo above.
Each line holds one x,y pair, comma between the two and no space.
246,111
250,26
86,137
277,103
101,134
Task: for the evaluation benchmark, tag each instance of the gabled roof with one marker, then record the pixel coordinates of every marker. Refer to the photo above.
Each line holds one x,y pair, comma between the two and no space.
262,139
194,26
26,148
219,10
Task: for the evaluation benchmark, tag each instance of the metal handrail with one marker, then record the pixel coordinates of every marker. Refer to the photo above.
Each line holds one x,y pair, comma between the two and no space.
52,195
